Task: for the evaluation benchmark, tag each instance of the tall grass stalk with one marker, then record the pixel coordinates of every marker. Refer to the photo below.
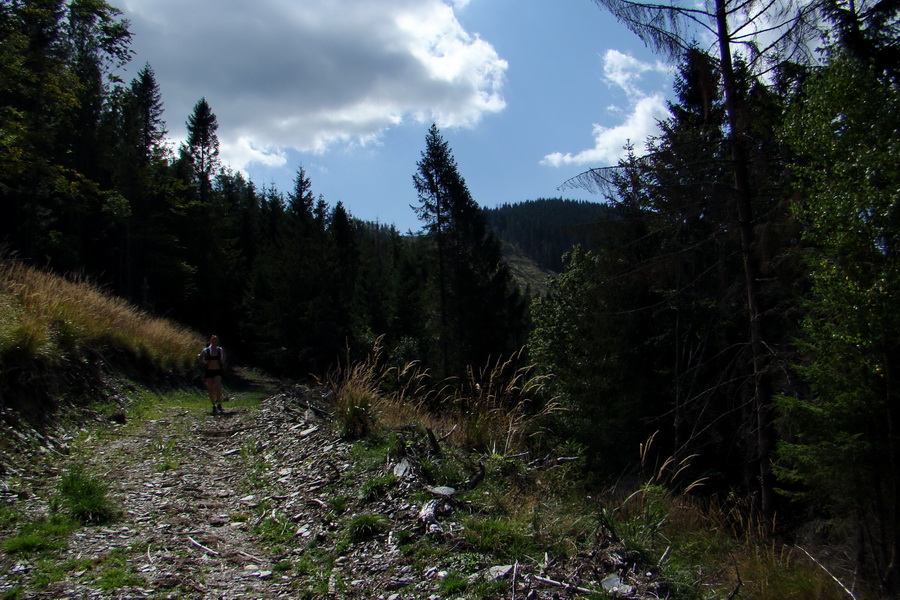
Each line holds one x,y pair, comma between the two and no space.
43,315
499,408
709,543
495,410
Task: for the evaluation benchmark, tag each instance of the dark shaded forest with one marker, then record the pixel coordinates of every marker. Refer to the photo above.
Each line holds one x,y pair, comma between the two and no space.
546,228
734,298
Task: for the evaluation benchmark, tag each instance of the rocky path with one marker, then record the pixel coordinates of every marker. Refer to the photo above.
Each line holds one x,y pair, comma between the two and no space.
188,486
259,504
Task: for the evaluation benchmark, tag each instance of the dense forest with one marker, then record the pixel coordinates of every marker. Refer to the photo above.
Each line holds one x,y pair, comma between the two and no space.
546,228
735,297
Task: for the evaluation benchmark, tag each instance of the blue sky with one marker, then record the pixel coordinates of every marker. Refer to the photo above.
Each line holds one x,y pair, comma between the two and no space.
528,93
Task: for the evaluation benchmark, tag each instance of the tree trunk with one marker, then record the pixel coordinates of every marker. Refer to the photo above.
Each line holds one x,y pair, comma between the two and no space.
735,106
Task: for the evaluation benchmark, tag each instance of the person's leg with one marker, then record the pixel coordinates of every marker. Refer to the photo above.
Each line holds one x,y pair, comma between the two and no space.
218,391
211,388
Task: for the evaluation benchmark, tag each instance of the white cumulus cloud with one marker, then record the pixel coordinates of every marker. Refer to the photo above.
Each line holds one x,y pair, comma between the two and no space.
307,75
639,118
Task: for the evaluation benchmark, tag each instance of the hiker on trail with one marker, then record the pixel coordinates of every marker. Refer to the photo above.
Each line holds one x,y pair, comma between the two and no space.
213,357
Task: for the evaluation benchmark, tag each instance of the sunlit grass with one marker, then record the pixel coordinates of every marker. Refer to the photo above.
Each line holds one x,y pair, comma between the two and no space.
496,409
43,315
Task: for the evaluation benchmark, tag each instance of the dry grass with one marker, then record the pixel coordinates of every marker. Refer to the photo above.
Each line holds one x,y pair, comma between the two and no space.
43,315
712,543
496,410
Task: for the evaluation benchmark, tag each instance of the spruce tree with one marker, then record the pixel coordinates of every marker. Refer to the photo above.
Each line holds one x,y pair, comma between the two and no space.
481,315
203,146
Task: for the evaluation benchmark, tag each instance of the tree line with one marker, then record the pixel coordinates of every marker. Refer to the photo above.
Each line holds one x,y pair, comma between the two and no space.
546,228
88,184
735,300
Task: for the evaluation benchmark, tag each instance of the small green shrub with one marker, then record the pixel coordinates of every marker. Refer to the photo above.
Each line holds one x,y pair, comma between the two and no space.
85,498
365,526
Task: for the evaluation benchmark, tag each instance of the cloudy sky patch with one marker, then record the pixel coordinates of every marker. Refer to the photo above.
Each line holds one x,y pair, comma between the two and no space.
308,75
645,107
348,88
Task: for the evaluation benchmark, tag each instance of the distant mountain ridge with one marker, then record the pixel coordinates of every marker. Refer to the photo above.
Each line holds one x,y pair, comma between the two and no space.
541,231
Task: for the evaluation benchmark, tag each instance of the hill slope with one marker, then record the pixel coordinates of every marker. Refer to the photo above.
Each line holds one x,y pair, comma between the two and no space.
543,230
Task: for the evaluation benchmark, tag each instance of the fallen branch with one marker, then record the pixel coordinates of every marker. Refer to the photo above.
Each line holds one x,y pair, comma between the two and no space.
251,557
565,586
830,574
519,455
428,513
444,438
476,478
199,545
552,462
515,579
737,573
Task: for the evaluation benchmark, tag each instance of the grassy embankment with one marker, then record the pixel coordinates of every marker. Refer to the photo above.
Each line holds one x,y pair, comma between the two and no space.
69,353
46,318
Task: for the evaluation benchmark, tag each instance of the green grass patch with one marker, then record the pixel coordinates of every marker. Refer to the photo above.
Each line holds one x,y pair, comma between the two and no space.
47,572
274,533
338,503
365,526
116,577
377,487
453,583
501,537
12,594
8,517
282,566
40,536
86,498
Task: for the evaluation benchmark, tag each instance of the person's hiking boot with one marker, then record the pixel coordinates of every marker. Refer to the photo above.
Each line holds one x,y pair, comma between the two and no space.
214,411
219,406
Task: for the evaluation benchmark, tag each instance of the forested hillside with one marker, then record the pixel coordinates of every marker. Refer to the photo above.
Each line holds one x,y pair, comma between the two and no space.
547,228
734,299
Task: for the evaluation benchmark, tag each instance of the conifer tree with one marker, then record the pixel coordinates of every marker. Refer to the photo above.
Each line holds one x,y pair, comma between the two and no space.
480,313
203,146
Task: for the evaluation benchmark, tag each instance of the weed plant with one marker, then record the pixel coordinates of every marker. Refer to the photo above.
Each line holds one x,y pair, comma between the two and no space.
498,408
